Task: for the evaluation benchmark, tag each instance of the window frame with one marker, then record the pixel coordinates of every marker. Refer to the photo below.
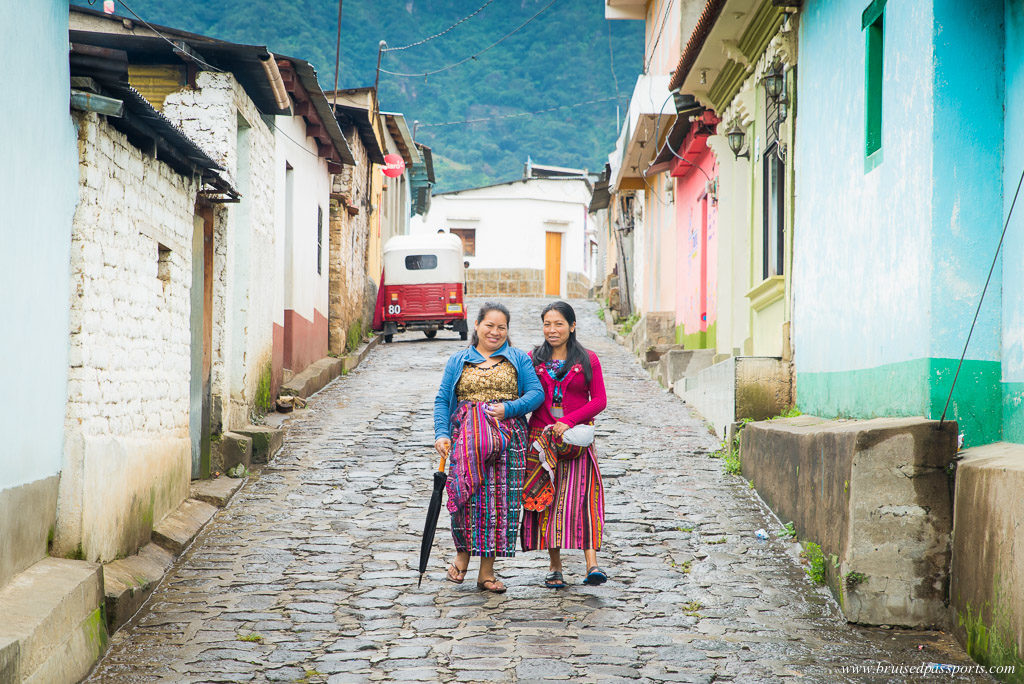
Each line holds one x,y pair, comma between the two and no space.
772,163
458,232
873,25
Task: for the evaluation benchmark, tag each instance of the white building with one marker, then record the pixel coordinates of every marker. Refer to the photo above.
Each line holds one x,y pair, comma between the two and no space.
525,237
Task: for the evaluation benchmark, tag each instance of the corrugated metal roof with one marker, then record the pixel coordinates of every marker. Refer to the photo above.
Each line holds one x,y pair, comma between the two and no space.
307,76
141,121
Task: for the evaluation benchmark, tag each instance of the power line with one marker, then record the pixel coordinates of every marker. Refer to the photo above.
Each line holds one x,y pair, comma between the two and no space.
168,40
337,56
518,114
438,35
474,56
661,29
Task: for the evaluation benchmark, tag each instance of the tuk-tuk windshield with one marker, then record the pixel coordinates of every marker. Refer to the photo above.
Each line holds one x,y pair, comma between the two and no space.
420,259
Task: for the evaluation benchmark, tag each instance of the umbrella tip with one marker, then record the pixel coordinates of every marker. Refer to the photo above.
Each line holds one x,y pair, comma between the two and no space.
421,580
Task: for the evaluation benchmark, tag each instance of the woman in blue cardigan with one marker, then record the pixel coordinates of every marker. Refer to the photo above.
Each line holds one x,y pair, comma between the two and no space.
479,423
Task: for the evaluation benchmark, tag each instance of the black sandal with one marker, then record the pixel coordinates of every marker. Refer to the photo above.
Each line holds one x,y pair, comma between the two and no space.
554,580
595,576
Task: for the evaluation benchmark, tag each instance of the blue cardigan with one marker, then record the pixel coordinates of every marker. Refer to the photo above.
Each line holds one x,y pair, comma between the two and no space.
531,394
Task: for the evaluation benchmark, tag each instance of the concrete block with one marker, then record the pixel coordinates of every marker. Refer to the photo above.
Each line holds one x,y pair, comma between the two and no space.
216,491
9,660
229,450
987,583
677,363
755,387
875,495
266,441
27,514
177,530
53,612
128,582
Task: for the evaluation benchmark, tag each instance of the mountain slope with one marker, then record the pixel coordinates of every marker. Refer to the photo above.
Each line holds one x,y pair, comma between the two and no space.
561,58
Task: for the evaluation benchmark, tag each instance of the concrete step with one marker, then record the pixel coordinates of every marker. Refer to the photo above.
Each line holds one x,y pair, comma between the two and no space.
52,626
176,531
229,450
314,377
128,582
216,491
266,441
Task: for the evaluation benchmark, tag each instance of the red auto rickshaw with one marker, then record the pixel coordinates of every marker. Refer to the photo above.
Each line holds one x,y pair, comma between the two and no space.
422,286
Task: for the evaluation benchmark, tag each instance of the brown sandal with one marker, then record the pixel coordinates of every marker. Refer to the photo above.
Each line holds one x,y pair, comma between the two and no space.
456,575
495,587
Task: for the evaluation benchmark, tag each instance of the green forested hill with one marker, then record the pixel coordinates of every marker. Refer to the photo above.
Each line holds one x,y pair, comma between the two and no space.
561,58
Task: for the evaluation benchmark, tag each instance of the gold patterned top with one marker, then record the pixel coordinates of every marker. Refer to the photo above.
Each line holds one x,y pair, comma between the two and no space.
497,383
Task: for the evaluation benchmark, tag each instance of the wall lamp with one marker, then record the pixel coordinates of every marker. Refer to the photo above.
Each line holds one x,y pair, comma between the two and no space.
735,137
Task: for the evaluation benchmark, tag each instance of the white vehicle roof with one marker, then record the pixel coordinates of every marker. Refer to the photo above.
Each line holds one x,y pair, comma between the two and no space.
403,251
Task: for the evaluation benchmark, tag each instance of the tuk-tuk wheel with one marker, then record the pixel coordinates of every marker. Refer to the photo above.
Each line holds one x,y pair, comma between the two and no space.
388,339
464,335
431,334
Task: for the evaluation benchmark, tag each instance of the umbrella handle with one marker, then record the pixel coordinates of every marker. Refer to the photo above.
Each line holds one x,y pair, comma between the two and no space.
440,468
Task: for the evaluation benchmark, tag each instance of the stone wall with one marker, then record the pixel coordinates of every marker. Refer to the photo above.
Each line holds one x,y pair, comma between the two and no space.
349,241
127,447
578,285
497,282
212,114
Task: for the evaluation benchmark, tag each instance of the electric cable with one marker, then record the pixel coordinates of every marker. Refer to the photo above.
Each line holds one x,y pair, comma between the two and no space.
438,35
995,259
661,29
473,56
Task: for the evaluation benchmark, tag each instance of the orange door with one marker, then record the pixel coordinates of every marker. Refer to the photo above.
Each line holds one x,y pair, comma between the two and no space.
553,265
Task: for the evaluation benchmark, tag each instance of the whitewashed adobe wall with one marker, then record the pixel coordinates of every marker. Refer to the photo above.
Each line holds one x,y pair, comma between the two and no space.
219,116
127,449
511,220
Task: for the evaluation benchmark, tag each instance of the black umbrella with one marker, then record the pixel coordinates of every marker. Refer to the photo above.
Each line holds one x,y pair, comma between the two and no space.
433,510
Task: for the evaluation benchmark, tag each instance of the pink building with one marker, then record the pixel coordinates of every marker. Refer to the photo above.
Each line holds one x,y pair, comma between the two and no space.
695,170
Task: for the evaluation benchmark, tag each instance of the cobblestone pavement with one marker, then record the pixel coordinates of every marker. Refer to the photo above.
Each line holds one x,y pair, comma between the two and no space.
309,573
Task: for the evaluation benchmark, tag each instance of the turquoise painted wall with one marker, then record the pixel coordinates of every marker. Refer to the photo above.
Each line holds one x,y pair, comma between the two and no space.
38,193
1013,248
889,262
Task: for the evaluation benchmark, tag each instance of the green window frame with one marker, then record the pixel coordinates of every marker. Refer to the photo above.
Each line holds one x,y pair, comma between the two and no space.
873,25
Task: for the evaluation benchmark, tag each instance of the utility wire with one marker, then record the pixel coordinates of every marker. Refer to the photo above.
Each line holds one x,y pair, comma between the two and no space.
517,114
337,57
473,56
438,35
995,259
664,19
168,40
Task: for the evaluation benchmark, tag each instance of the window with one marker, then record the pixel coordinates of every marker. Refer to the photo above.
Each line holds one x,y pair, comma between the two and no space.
873,23
163,264
773,237
468,237
421,262
319,239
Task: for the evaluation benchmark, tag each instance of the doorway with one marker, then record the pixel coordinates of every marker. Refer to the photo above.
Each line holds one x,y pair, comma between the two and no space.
201,348
553,264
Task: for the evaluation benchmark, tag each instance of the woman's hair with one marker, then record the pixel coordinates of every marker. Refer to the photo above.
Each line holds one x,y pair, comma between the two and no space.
574,351
486,309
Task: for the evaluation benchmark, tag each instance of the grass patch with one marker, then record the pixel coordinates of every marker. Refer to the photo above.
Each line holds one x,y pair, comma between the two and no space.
788,530
263,401
815,559
691,608
600,314
354,335
627,326
717,541
854,579
253,638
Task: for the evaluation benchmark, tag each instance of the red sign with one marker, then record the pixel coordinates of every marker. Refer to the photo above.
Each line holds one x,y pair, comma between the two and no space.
394,165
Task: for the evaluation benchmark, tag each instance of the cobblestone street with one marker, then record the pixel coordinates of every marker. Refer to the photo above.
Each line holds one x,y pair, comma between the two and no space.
309,573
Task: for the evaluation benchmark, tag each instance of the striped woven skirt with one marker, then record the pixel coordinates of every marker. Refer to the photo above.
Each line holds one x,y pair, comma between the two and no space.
575,519
488,523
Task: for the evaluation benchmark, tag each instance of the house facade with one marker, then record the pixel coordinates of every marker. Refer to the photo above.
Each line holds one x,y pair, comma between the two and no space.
523,237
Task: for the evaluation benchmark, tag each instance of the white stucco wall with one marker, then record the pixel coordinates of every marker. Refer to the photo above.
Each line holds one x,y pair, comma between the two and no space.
38,192
304,289
212,114
127,448
511,220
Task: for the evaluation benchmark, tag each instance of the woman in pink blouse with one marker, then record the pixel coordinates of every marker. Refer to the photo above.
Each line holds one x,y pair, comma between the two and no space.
563,494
